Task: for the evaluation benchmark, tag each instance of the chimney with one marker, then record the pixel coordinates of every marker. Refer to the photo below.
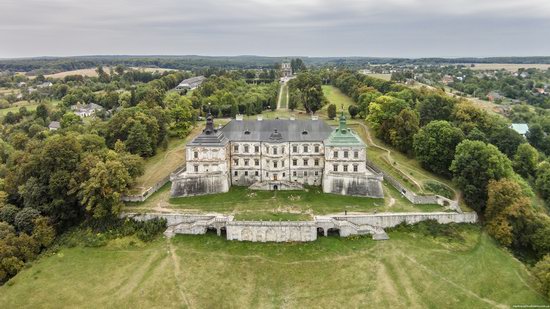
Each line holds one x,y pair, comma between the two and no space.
260,117
239,117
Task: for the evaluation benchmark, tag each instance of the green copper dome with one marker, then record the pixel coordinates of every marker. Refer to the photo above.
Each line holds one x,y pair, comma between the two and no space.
344,136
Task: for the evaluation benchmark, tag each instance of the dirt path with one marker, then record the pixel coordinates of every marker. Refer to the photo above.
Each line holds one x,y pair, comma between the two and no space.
401,168
177,273
280,97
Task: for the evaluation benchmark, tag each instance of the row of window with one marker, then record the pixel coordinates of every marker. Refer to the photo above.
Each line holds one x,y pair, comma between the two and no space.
294,149
346,154
336,168
294,173
275,150
276,163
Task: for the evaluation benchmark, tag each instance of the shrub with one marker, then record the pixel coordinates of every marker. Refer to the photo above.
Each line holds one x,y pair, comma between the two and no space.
439,189
8,213
24,219
431,228
542,273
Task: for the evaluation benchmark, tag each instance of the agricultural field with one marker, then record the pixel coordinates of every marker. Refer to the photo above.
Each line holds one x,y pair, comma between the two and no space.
384,76
411,270
512,67
91,72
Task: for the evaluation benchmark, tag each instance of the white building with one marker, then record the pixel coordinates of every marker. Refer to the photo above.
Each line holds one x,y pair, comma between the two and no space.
277,155
86,110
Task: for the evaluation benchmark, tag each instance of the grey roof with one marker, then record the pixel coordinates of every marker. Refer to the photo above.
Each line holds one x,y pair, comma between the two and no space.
521,128
191,82
216,138
277,130
54,125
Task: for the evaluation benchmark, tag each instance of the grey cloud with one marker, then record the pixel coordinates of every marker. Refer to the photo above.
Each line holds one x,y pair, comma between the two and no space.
407,28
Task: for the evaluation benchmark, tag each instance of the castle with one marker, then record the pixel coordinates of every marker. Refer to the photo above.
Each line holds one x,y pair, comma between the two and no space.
276,154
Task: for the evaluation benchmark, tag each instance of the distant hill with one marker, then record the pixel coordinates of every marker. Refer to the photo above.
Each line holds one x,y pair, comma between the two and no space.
195,62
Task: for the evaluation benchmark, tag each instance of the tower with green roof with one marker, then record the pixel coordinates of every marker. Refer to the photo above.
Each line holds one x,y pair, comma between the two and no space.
345,171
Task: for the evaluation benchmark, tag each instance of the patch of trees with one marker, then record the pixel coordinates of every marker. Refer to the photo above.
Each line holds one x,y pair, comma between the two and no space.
305,90
225,97
491,164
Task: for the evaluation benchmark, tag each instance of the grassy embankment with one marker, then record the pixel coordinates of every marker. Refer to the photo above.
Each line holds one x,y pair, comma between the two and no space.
411,270
248,204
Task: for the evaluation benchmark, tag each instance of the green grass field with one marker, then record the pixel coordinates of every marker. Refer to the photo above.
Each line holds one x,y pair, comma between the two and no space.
283,97
408,271
336,97
30,106
248,204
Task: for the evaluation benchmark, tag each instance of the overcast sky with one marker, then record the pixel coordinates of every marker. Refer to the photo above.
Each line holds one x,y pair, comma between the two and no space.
383,28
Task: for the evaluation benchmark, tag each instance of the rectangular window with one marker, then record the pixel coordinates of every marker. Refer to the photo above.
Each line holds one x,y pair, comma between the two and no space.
335,168
256,173
356,154
294,148
275,164
345,154
345,168
195,155
246,173
196,168
245,162
236,173
284,174
283,163
306,162
236,162
274,150
336,154
246,148
266,174
294,173
236,148
256,149
316,148
294,162
316,173
256,162
316,162
355,168
305,174
306,148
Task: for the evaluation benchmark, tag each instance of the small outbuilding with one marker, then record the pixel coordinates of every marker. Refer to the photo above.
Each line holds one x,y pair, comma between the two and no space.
521,128
54,125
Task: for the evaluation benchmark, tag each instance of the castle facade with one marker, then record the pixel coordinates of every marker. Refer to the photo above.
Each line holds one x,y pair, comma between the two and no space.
277,155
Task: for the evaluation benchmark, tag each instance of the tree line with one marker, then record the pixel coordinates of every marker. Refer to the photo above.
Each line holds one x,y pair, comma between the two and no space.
495,168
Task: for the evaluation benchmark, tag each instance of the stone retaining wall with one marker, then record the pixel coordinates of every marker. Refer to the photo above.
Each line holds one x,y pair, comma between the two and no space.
413,197
147,193
266,231
288,231
386,220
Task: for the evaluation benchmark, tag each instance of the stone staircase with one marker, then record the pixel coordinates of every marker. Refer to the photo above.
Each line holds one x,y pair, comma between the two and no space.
348,228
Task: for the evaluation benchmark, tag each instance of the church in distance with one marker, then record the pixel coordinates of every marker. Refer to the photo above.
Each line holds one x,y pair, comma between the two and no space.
276,154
